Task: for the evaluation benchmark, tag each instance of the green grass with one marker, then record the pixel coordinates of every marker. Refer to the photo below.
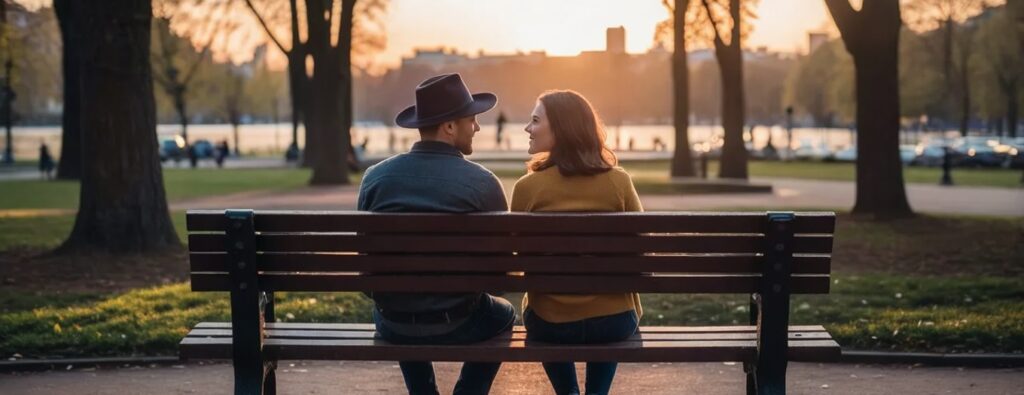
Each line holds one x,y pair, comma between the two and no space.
180,184
1009,178
863,312
48,231
651,176
938,314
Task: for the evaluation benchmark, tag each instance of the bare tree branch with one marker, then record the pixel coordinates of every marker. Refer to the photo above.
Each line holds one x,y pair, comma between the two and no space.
266,28
714,25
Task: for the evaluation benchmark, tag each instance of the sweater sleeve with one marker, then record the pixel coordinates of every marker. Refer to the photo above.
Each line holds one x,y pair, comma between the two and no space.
631,200
519,197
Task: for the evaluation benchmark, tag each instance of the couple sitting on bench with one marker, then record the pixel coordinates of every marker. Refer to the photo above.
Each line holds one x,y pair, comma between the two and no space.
571,170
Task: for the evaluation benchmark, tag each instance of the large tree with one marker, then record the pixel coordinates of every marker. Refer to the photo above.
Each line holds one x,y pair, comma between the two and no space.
327,110
298,81
951,43
871,36
730,65
122,205
70,165
675,27
1000,67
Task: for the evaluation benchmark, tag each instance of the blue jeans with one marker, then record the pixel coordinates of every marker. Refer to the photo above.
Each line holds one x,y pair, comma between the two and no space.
606,329
494,316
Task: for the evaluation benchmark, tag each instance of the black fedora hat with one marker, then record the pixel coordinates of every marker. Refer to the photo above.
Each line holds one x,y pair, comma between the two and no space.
443,98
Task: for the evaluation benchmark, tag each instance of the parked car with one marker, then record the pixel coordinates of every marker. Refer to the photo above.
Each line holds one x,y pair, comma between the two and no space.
977,154
1010,152
848,154
173,149
808,150
930,153
907,153
204,149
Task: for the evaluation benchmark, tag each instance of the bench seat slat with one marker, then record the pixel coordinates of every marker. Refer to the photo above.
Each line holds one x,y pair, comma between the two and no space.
749,263
661,336
325,326
724,346
338,221
460,244
710,283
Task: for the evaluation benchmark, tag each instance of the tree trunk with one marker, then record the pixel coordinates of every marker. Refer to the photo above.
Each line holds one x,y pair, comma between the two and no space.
122,205
70,165
326,117
682,157
179,107
871,35
1011,110
730,63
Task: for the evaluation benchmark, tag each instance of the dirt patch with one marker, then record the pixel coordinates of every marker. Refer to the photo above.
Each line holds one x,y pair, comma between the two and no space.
39,271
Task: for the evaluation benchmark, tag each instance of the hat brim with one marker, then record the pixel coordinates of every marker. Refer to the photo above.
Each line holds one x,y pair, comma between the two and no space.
482,102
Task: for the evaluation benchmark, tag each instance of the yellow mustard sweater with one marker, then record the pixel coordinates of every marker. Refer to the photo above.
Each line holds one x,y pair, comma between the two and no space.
547,190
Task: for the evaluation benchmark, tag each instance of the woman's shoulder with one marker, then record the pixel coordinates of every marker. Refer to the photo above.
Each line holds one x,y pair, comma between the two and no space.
618,173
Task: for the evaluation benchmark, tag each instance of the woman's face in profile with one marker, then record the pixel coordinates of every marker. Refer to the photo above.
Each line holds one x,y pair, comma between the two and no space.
541,137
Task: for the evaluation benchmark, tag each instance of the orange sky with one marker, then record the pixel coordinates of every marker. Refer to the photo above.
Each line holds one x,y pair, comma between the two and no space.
566,27
561,27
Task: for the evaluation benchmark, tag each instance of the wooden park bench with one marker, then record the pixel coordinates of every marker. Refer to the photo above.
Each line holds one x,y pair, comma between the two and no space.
254,254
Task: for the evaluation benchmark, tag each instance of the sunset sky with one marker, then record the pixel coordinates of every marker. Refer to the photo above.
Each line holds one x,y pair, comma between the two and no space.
566,27
560,27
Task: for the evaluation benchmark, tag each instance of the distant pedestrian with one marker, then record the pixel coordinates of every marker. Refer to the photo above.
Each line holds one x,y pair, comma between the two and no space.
222,152
193,156
632,143
501,125
45,162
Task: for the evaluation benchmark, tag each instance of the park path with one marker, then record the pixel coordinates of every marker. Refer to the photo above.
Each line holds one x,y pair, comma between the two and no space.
788,194
521,378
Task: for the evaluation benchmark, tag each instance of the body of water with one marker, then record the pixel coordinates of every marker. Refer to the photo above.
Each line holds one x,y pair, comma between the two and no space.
274,138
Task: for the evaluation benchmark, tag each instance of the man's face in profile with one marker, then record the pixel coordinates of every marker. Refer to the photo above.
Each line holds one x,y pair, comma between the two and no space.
465,129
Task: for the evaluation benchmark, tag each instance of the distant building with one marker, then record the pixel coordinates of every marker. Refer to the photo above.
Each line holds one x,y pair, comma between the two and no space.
615,40
815,40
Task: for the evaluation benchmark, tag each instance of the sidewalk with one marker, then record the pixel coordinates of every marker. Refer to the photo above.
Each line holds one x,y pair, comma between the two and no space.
789,194
521,378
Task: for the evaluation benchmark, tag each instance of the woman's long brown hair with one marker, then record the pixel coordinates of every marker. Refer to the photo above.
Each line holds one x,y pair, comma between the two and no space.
579,136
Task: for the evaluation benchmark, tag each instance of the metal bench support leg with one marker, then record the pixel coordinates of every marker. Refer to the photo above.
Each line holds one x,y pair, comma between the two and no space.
246,304
773,312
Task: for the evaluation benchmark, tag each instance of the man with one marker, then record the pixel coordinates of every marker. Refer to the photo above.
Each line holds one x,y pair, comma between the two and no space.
435,177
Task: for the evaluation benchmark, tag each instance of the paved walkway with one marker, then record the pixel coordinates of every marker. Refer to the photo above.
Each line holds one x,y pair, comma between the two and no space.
521,378
789,194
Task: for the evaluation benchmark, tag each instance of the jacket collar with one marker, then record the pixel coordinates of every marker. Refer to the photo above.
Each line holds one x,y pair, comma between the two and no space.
435,147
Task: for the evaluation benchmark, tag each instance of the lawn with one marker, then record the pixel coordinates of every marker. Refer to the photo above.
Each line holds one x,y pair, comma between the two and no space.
863,312
931,283
656,172
180,184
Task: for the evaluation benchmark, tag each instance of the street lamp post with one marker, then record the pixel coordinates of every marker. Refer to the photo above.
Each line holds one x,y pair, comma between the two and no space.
789,132
7,96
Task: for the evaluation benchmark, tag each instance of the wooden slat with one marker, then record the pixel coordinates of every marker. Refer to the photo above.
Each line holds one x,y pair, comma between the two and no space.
350,221
510,283
356,335
328,326
595,244
511,350
217,262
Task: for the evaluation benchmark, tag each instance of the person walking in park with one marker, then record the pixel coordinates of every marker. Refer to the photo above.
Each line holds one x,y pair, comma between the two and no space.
572,170
434,176
222,152
46,163
501,126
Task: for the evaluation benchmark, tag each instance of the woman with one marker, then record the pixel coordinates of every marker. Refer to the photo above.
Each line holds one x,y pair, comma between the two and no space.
572,170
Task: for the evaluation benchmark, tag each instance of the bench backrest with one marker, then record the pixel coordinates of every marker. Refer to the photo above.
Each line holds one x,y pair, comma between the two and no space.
654,252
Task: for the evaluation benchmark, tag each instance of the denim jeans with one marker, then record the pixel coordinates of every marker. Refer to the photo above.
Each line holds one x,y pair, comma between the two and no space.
494,316
605,329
